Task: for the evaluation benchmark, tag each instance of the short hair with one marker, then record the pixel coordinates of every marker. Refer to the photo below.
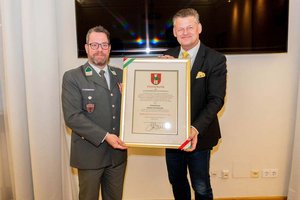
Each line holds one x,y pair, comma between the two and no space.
98,29
186,12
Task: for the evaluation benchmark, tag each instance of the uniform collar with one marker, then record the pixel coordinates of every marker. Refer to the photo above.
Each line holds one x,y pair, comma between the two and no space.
97,69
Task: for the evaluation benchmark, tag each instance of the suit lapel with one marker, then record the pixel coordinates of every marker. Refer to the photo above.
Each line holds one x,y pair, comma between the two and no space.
197,66
94,77
198,63
113,77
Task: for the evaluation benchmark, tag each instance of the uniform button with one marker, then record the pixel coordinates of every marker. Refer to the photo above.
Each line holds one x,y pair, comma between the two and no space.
82,138
114,117
113,106
114,128
111,94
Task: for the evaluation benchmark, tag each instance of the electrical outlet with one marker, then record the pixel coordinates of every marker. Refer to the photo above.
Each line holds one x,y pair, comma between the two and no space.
265,173
270,173
225,173
274,173
254,173
213,174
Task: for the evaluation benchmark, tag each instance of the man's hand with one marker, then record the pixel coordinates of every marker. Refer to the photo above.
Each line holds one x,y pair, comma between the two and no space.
166,57
115,141
194,139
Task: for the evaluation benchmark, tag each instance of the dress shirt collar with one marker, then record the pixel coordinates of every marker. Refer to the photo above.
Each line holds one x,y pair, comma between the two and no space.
192,53
97,69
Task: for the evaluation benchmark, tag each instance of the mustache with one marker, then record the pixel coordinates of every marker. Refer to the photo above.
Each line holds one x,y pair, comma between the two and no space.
98,54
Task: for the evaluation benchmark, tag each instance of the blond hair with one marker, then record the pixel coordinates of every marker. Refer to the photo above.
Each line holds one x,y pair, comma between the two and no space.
186,12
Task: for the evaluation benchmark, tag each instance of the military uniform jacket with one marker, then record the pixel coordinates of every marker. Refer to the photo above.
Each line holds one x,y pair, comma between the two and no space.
91,110
208,88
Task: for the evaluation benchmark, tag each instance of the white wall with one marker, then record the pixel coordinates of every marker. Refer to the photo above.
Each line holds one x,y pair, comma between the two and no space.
257,120
294,185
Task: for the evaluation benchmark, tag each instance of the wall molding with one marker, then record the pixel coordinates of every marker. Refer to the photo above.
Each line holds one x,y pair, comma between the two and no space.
254,198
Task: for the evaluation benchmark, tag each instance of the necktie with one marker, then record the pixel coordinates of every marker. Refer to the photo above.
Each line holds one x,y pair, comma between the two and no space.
185,54
103,78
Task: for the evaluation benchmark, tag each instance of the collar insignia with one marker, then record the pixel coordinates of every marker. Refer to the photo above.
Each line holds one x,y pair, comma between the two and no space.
88,71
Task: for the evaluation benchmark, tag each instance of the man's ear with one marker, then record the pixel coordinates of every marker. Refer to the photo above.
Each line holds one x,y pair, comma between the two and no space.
174,32
199,28
86,46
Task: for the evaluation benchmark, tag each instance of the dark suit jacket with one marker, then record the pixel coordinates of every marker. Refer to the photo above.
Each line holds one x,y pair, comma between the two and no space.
208,87
80,90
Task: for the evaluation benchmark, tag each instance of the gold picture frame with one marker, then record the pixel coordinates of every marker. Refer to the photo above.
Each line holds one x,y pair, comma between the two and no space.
155,109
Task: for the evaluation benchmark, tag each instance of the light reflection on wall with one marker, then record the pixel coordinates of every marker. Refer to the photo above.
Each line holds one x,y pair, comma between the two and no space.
235,18
241,22
260,12
247,23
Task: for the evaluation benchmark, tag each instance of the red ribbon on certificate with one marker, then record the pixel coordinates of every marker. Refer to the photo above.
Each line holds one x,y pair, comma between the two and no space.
185,145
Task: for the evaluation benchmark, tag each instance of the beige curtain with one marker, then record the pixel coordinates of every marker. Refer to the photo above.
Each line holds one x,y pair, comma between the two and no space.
36,154
5,173
5,181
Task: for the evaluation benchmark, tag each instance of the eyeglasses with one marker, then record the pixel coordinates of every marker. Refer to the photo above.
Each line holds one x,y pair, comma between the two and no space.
96,45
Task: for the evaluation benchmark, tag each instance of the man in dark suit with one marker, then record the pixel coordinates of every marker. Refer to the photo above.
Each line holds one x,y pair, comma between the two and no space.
208,87
91,101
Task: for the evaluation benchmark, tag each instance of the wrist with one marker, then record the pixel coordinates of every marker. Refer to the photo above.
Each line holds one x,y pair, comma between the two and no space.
196,132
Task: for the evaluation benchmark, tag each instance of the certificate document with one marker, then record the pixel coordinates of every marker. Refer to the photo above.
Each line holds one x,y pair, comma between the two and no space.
155,109
155,100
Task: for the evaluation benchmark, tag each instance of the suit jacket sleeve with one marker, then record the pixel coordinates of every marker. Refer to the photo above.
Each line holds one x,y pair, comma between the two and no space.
75,117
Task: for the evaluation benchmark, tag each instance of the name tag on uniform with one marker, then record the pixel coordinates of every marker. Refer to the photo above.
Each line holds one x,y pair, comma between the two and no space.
87,89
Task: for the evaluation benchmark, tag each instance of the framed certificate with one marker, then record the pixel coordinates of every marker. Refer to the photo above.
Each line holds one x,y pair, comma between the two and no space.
155,102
